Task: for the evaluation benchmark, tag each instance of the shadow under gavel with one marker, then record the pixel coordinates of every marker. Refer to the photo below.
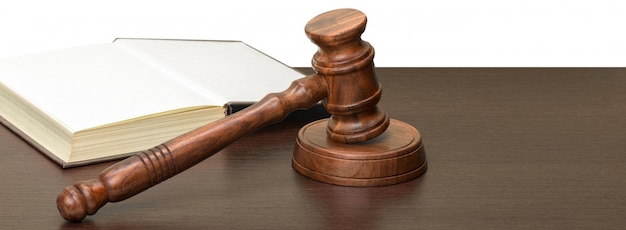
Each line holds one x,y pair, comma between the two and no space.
359,145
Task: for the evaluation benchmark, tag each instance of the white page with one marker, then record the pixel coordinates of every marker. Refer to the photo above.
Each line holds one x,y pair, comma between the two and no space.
226,70
93,85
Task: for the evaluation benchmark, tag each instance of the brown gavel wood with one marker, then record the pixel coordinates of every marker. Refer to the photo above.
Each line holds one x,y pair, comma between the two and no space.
359,145
148,168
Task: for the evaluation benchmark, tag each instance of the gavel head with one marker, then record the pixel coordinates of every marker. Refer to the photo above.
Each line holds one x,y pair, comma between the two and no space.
346,62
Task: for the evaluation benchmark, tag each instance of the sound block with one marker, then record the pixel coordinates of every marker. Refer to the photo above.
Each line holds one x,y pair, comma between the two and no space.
395,156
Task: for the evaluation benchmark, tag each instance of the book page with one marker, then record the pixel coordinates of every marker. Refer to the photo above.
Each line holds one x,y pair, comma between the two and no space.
88,86
226,71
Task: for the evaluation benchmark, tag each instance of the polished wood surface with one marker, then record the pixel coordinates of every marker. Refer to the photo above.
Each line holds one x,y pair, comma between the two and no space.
507,148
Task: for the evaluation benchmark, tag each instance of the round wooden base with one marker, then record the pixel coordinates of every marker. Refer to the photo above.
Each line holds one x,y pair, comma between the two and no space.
394,157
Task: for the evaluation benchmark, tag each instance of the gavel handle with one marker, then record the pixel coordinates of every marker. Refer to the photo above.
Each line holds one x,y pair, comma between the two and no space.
148,168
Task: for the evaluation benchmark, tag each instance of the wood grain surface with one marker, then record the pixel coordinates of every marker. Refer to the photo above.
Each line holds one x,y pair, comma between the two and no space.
507,148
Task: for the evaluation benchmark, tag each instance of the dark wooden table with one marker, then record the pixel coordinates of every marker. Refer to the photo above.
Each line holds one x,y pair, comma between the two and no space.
530,148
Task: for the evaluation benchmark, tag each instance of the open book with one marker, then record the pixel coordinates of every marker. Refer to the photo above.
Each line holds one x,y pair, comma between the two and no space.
100,102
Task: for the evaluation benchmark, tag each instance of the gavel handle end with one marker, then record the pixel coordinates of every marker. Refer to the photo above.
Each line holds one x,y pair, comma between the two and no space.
81,199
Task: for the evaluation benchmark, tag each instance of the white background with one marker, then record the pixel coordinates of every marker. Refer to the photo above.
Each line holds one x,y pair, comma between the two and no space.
408,33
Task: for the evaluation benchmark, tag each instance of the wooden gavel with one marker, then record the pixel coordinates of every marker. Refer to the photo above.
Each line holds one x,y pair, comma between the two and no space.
359,145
